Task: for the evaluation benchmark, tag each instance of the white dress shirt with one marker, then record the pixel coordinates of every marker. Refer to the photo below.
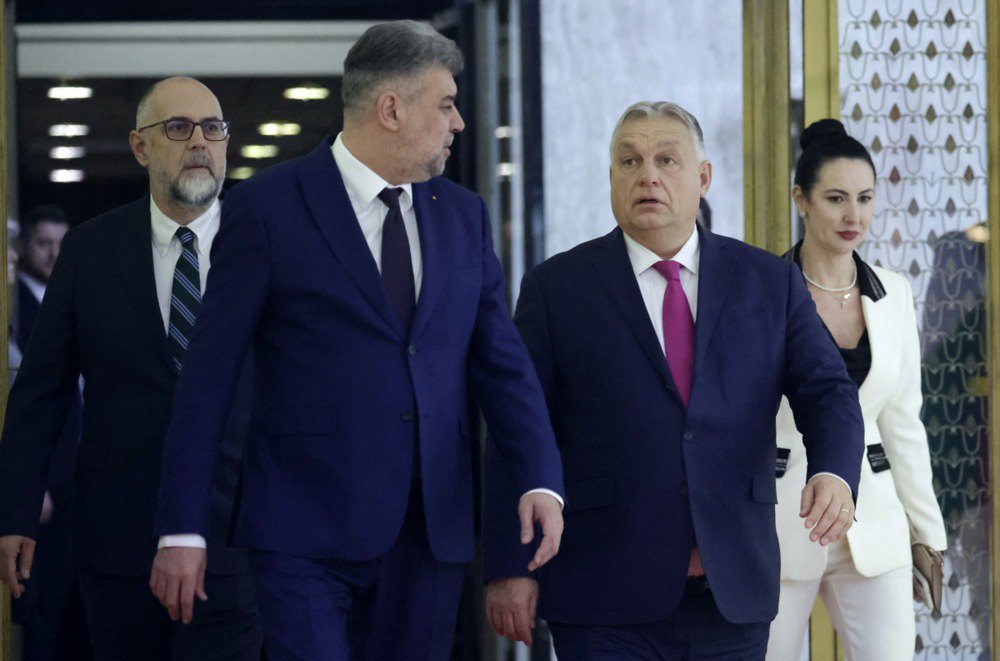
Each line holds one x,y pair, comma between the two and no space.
34,285
653,286
166,251
363,187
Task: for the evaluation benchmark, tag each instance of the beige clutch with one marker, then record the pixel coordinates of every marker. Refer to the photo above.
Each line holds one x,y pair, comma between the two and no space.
928,576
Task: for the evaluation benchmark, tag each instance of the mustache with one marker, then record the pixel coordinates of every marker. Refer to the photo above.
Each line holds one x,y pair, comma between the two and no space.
198,159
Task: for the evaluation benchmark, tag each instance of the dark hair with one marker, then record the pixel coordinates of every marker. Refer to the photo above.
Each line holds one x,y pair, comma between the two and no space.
388,51
822,141
45,213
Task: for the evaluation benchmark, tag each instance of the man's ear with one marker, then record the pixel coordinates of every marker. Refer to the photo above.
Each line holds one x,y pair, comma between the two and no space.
138,145
389,110
706,177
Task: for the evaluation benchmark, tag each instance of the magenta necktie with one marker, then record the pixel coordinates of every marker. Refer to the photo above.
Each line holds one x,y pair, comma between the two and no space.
678,329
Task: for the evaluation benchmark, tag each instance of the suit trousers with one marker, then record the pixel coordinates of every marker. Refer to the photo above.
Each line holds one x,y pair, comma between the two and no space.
400,607
873,615
127,623
696,631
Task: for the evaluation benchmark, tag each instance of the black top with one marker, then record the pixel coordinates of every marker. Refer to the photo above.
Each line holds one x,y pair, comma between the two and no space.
858,359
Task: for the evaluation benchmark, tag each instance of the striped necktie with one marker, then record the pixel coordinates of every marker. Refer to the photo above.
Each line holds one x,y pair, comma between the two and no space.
185,298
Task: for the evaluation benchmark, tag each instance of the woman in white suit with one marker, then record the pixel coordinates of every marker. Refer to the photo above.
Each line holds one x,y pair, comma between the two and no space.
866,578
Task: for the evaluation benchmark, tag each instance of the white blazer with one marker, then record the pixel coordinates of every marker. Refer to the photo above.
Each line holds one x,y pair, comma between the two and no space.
895,504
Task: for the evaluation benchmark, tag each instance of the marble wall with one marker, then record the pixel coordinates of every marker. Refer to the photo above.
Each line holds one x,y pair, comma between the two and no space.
597,58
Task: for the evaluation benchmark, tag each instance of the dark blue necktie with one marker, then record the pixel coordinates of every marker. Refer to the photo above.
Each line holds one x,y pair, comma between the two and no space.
397,266
185,298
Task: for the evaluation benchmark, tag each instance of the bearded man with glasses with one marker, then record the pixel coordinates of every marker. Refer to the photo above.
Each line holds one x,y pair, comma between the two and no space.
118,311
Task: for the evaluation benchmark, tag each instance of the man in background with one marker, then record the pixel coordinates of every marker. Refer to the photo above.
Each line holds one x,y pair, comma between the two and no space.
118,309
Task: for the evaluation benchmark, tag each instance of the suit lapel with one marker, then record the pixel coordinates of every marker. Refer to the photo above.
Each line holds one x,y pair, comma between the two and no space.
435,248
326,197
615,271
132,250
873,322
716,266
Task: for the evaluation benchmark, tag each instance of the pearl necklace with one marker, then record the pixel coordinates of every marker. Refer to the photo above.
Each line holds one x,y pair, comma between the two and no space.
831,291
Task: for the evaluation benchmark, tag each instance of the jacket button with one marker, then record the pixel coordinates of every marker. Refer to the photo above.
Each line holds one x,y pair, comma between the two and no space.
688,435
412,350
407,415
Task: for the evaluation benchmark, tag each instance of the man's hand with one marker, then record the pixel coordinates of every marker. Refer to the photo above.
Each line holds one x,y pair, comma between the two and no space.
545,509
510,607
178,576
827,508
16,556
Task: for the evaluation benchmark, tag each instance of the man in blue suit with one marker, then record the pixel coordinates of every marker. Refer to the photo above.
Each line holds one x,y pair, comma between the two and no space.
370,292
664,352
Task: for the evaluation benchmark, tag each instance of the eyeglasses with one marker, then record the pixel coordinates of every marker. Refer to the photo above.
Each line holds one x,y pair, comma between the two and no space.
180,129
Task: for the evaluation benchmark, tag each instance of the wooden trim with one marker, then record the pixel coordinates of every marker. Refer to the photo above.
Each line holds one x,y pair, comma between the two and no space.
993,296
766,125
5,632
821,94
821,60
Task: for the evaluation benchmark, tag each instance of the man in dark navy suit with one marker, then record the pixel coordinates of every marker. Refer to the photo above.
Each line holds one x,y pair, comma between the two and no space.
110,315
369,290
664,351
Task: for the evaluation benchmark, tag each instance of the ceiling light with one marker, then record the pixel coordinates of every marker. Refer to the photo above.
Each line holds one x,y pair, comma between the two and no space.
64,92
66,176
307,93
259,151
502,132
279,129
506,169
244,172
66,153
68,130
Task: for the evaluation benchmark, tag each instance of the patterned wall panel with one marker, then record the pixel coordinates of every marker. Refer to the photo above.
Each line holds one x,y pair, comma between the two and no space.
913,88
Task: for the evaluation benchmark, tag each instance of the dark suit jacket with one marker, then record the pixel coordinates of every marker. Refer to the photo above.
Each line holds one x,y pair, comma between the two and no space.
100,318
343,391
644,477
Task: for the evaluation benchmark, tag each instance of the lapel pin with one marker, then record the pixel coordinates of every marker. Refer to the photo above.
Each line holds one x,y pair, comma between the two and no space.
434,197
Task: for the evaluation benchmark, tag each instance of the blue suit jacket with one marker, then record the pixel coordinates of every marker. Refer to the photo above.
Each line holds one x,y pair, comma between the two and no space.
343,391
644,477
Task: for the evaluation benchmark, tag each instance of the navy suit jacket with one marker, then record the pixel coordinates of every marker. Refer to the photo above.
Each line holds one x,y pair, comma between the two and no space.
644,478
101,319
343,391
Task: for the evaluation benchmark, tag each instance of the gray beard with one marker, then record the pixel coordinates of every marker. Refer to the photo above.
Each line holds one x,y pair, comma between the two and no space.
195,189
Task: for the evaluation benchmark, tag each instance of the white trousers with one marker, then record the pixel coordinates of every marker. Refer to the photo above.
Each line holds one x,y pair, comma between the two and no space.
873,616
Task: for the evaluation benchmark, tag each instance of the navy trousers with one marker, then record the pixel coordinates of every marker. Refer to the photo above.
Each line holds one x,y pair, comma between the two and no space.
696,631
401,607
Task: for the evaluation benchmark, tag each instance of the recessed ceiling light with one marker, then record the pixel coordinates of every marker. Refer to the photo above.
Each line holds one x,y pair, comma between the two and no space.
68,130
67,153
279,129
502,132
506,169
259,151
64,92
65,176
307,93
244,172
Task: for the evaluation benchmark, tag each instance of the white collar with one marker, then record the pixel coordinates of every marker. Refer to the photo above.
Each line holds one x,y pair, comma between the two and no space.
362,183
643,258
164,228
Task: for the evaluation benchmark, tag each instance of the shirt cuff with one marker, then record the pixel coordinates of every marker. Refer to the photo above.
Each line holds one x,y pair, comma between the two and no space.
191,541
552,493
836,476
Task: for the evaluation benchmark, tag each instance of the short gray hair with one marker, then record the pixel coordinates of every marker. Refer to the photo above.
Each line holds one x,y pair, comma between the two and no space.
643,109
389,51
